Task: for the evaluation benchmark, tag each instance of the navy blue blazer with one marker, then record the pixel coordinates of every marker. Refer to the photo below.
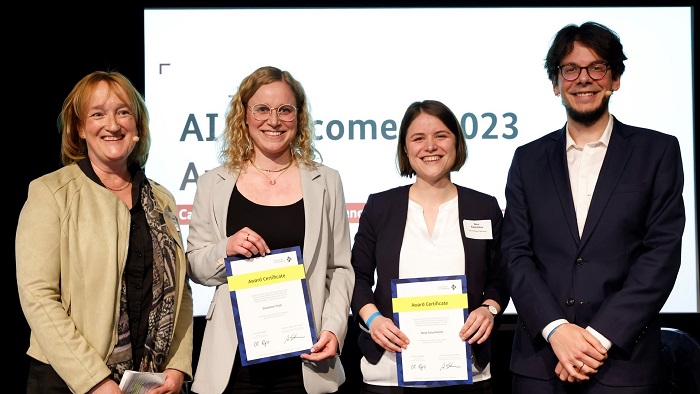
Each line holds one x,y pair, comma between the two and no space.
617,276
379,238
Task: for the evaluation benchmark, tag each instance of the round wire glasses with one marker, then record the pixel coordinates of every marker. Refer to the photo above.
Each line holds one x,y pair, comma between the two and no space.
285,112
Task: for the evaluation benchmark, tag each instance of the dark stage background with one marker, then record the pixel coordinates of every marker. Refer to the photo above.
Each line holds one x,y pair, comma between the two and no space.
51,47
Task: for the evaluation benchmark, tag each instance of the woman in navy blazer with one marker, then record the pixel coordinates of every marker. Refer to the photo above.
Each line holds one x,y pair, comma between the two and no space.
419,231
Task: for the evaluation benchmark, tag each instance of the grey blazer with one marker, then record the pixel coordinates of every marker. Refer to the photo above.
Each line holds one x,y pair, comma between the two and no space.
326,255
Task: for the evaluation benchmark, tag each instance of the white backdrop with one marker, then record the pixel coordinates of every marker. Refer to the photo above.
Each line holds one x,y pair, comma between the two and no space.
361,68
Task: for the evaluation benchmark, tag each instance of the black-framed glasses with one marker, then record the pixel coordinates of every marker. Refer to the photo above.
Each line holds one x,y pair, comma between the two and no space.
595,70
285,112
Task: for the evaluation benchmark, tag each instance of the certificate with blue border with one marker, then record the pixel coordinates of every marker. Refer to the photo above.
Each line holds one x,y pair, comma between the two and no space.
431,311
271,305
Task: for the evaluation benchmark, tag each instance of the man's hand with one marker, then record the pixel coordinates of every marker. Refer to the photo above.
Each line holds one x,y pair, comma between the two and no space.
580,354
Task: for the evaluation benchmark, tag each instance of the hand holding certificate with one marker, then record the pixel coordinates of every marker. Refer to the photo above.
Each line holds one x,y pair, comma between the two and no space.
431,311
134,382
271,305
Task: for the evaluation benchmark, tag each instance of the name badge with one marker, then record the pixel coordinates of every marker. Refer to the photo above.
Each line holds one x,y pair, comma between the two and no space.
478,229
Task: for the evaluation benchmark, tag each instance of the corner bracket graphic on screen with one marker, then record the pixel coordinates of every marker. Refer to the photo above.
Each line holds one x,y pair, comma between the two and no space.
361,68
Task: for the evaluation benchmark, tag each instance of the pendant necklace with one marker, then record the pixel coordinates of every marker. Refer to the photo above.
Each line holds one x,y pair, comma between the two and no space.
272,180
119,189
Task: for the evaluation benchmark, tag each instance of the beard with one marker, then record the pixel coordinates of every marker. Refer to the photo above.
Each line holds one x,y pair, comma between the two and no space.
589,117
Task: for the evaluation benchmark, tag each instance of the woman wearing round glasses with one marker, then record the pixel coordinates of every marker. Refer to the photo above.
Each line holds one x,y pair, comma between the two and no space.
271,194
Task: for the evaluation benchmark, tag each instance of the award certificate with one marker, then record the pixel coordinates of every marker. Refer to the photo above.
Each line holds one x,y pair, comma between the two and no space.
270,305
431,311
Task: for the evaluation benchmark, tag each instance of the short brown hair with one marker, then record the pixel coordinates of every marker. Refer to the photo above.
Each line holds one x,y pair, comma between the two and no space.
446,116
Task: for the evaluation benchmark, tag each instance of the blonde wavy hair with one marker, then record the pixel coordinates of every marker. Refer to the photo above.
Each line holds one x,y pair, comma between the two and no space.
74,110
236,144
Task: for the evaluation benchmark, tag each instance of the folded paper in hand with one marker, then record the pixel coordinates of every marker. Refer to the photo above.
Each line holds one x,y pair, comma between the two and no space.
135,382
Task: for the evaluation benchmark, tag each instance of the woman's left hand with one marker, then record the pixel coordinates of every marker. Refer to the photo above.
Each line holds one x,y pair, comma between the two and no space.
327,346
174,380
478,326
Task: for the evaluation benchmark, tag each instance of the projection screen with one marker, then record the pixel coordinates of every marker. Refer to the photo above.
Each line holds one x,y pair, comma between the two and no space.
361,68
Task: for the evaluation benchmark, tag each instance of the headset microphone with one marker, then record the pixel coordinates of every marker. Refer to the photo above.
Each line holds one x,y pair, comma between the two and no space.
608,93
136,138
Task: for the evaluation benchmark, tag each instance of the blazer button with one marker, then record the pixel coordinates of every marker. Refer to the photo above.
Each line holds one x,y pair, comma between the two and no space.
569,301
579,261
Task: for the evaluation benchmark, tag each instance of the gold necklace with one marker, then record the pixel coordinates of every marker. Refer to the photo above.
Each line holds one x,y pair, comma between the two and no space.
281,171
119,189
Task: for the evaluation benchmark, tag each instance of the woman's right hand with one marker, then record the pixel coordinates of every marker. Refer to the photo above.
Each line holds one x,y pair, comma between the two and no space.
385,333
247,243
106,386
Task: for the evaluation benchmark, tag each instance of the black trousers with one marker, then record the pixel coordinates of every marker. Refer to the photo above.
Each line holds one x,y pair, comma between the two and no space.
281,376
525,385
482,387
43,379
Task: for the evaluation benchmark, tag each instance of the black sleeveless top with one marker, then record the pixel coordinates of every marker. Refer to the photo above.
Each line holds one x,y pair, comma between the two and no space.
280,226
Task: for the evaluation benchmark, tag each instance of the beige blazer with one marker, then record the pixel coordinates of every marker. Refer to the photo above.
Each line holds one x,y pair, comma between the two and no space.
71,245
326,255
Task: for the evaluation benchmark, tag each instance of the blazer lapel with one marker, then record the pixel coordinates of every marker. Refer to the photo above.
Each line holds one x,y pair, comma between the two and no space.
469,211
614,163
222,194
556,154
395,230
312,192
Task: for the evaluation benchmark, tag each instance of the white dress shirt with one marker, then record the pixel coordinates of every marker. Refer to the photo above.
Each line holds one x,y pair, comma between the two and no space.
584,162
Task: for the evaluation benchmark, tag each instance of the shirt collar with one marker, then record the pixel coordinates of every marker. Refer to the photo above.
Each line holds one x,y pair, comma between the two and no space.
604,139
136,172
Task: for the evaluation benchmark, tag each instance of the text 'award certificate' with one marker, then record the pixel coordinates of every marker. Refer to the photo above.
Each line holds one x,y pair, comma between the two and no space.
270,305
431,311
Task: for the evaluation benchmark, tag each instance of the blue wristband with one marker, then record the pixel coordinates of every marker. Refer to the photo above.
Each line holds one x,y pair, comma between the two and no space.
552,332
371,317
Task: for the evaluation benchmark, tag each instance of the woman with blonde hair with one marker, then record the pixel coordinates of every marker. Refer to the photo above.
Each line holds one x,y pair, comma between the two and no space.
268,194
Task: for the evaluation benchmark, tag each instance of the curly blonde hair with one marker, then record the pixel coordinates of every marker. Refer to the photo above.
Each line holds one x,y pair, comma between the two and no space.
74,148
237,146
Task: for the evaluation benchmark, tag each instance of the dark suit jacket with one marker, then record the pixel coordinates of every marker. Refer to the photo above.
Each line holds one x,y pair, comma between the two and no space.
617,276
378,245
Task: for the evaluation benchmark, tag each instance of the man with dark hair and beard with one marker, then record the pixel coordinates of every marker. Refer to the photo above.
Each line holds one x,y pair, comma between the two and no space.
591,238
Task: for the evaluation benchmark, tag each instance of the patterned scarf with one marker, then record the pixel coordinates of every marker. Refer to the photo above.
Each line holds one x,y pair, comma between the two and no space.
161,318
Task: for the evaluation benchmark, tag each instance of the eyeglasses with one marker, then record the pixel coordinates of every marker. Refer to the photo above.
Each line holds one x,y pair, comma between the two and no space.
285,112
596,70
